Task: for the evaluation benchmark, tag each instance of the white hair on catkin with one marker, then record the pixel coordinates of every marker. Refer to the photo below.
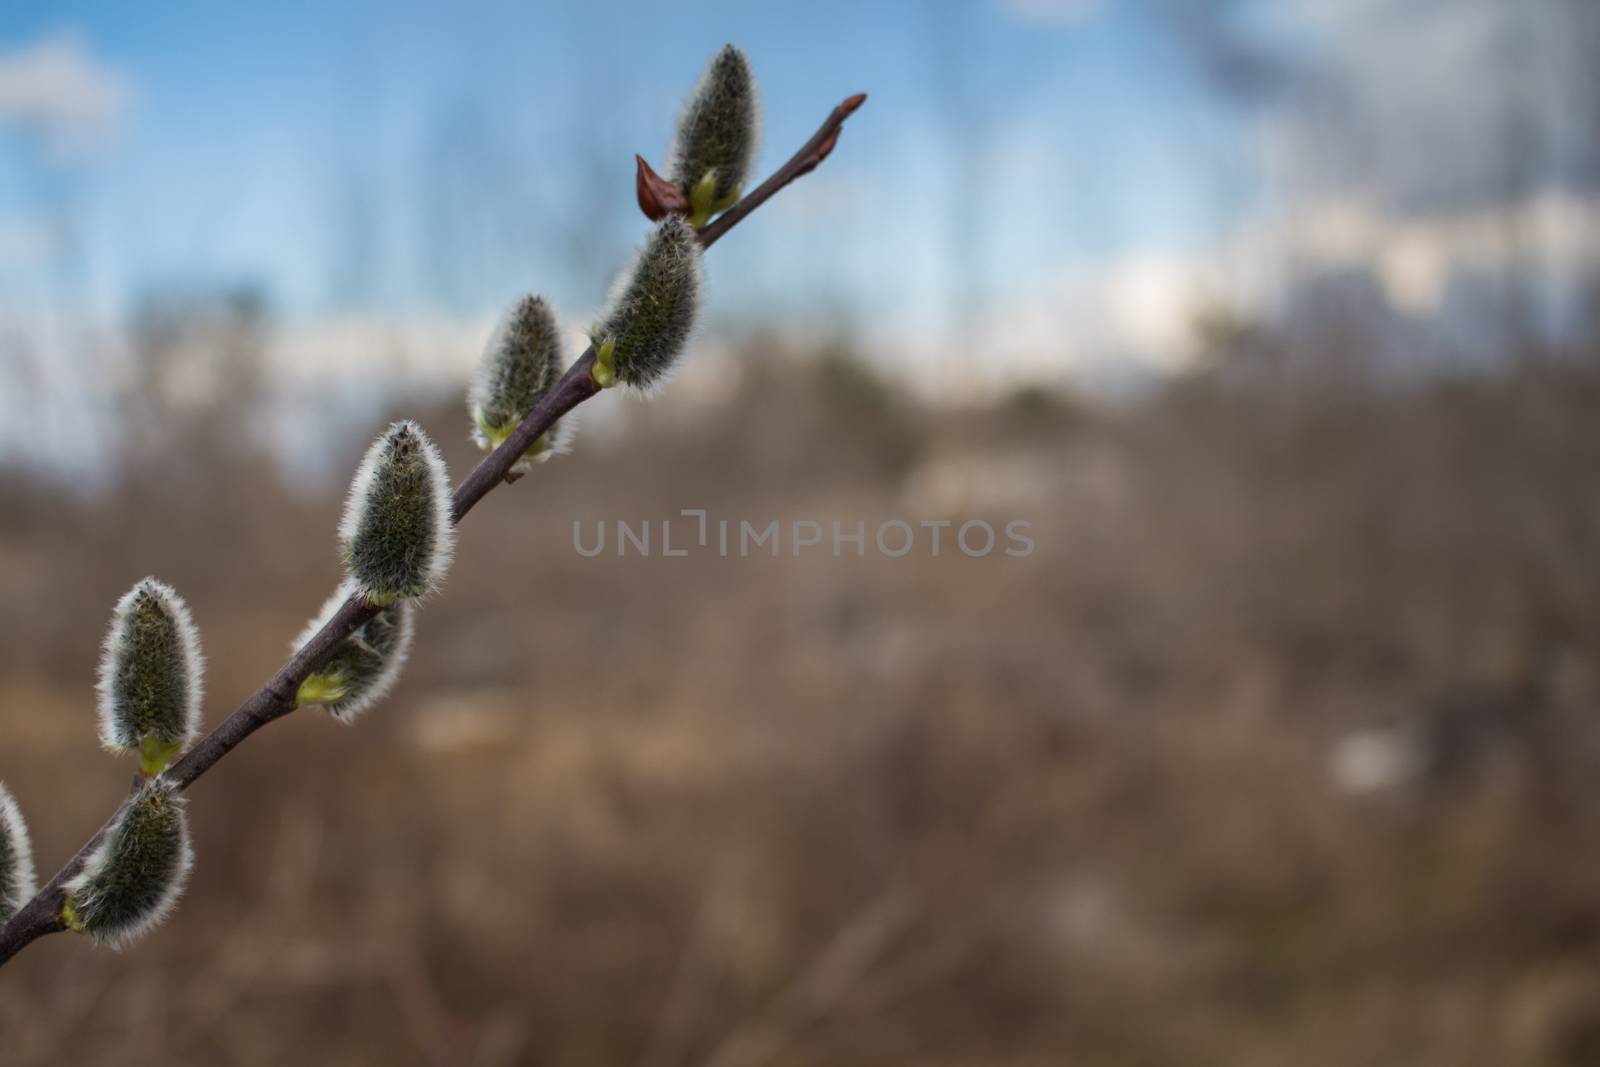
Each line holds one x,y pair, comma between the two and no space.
116,733
521,363
653,305
329,609
128,888
17,878
373,685
521,359
405,580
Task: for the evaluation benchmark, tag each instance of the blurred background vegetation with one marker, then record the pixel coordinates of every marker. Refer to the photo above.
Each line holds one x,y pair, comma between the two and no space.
1278,322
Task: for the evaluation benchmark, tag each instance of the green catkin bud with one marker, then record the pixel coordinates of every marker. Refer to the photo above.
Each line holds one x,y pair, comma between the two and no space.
150,676
717,134
364,667
521,363
396,530
134,877
16,858
652,308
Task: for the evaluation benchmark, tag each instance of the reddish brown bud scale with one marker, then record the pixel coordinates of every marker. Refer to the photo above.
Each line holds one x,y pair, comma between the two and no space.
658,197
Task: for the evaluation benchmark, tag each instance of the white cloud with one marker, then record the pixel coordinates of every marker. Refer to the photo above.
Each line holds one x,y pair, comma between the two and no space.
1102,322
1134,309
1053,11
338,350
56,88
1422,103
1416,256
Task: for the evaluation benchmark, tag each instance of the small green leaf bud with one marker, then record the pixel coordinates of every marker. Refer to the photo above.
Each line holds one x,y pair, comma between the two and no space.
150,676
363,668
717,135
16,858
521,363
396,530
135,875
652,308
604,371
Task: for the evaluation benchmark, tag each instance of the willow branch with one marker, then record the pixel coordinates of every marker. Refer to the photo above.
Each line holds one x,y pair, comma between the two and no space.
276,699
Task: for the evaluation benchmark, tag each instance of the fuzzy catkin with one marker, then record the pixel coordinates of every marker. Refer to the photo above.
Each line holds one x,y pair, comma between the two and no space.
718,131
521,364
16,858
396,529
364,666
652,309
150,684
135,876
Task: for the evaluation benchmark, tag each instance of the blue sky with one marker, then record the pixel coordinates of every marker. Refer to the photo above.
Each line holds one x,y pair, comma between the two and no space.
1037,189
251,140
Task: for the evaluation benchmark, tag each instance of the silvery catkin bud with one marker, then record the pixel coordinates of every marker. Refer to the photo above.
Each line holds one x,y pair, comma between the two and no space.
150,676
134,877
396,530
16,858
521,363
652,308
717,136
364,666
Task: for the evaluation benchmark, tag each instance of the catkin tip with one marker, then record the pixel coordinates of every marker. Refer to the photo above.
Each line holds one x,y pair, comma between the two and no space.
717,136
396,531
151,677
520,365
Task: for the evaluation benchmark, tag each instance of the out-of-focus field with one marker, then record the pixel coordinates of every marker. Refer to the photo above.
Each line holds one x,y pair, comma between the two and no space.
1280,748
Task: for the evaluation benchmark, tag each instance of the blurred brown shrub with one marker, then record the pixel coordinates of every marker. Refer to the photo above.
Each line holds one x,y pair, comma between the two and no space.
1279,748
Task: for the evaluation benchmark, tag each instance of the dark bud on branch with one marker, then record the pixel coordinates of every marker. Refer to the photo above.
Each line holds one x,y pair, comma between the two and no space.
134,877
16,858
652,309
150,676
396,530
521,363
658,197
717,135
363,668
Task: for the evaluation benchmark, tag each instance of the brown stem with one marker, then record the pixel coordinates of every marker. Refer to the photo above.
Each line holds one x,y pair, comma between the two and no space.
42,914
802,162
